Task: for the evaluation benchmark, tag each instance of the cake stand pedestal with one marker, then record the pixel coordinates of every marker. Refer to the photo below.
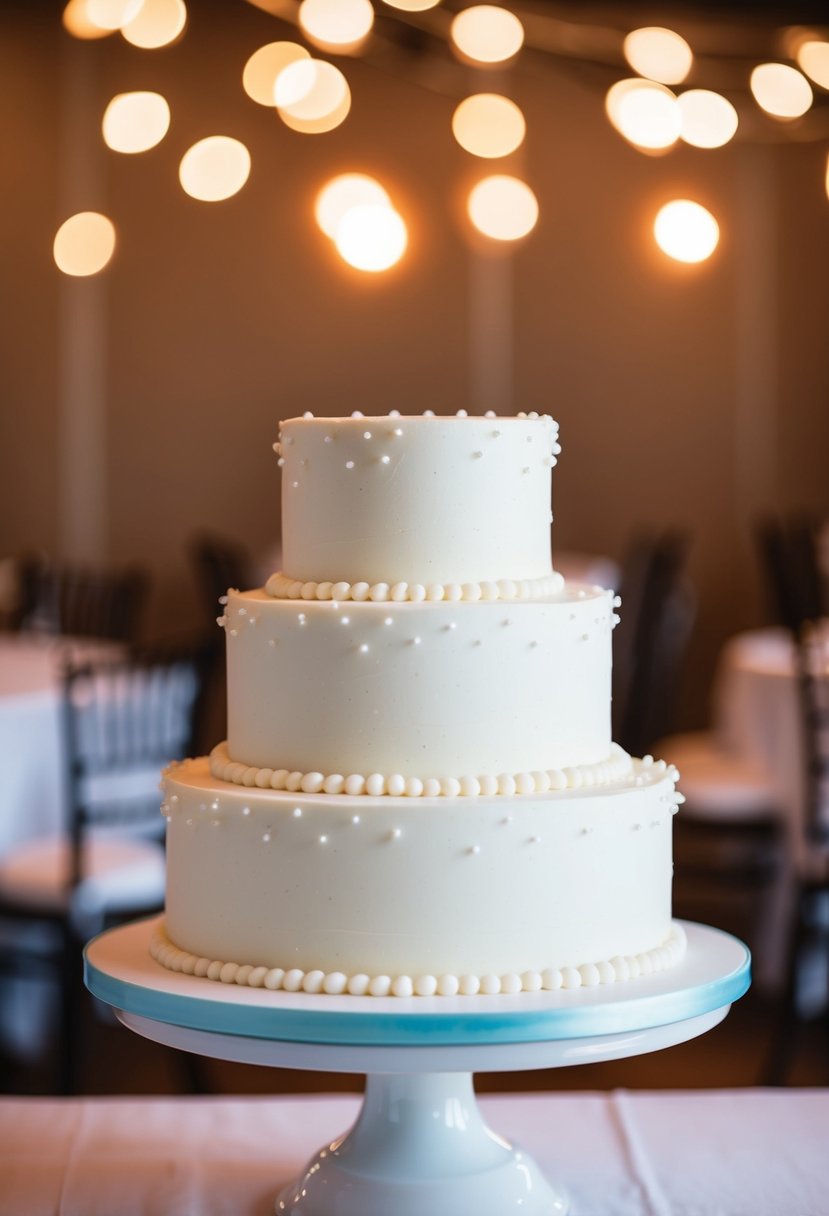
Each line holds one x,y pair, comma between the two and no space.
419,1146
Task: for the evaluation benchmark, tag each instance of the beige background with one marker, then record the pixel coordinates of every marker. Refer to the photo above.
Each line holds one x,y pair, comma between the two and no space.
141,406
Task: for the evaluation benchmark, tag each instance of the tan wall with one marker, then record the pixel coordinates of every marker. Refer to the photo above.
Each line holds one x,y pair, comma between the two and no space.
690,396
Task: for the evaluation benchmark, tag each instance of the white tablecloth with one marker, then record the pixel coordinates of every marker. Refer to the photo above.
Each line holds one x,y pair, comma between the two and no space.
31,758
698,1153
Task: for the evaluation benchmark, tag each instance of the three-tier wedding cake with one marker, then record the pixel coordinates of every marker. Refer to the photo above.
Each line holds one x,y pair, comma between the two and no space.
418,793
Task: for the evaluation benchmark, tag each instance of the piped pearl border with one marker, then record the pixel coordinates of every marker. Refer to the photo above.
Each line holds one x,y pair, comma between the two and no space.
337,983
614,769
282,587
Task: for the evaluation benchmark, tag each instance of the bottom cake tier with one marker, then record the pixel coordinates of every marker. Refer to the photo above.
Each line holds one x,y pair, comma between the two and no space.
385,895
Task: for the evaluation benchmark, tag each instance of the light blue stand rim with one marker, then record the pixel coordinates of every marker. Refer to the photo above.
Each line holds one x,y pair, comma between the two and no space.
119,971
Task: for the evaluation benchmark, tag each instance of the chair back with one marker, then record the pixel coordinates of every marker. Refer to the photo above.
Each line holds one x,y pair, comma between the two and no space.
789,553
79,601
649,644
813,681
124,721
219,563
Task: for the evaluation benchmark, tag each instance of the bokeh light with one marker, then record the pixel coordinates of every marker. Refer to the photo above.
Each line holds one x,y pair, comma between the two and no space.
709,120
780,90
336,24
646,113
84,243
157,23
813,59
487,34
488,125
312,96
502,207
214,168
261,70
371,237
659,54
686,231
112,14
412,6
342,194
76,21
134,122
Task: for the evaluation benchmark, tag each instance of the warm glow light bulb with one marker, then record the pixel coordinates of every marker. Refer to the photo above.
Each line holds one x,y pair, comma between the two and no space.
112,14
813,59
312,96
84,244
686,231
157,23
371,237
780,90
134,122
343,194
659,54
502,207
487,33
214,168
413,6
646,113
336,24
263,67
77,21
709,120
488,125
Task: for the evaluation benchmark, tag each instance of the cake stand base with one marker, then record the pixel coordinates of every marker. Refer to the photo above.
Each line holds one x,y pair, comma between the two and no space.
420,1146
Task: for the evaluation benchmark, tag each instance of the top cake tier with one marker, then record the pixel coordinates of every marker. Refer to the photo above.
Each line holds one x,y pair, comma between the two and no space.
417,499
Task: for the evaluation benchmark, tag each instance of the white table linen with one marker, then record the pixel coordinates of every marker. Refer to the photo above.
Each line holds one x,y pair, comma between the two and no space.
695,1153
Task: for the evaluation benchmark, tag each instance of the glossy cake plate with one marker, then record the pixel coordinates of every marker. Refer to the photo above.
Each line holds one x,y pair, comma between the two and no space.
419,1145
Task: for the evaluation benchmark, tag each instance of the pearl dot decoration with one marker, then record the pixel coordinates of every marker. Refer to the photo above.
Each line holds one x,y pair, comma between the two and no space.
282,587
316,982
618,768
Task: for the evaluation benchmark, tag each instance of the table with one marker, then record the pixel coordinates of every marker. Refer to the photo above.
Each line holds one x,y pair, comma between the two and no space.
31,758
729,1153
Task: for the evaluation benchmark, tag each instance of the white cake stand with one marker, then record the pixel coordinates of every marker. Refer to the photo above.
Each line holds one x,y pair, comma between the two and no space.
419,1146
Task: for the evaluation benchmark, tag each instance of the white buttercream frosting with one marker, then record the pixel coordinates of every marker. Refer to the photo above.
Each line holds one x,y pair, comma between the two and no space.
550,979
611,771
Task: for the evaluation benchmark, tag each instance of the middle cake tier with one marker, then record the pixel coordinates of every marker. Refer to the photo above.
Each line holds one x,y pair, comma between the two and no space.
419,690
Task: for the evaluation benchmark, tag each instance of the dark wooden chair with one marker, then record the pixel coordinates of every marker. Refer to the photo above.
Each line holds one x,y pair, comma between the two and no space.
649,644
809,845
790,561
219,563
123,721
79,601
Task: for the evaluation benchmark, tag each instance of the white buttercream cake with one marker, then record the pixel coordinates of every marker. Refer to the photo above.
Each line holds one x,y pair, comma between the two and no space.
418,793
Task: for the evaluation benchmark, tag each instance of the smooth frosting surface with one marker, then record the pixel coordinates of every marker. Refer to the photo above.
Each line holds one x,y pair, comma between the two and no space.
395,886
416,500
431,689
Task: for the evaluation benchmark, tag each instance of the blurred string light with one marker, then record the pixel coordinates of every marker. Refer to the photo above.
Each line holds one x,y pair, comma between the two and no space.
84,244
214,169
488,125
263,67
76,21
659,54
112,14
781,90
135,122
340,25
412,6
343,193
371,237
157,23
502,207
312,96
487,34
647,114
686,231
813,59
708,120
